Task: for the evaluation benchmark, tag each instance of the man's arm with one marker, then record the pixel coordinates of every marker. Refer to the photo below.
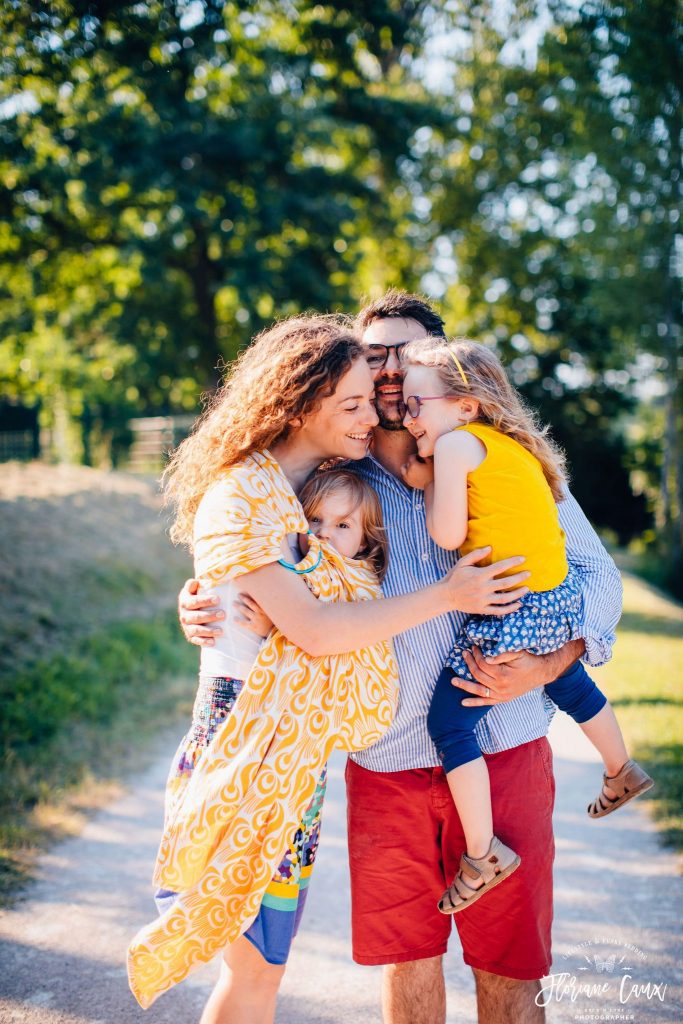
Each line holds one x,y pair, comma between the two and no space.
601,583
511,675
507,676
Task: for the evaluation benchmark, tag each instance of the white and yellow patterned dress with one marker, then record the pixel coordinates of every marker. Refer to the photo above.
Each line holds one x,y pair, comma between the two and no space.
228,824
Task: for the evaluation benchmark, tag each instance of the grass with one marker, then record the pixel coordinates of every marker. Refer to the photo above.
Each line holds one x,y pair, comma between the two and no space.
643,682
651,565
93,667
80,723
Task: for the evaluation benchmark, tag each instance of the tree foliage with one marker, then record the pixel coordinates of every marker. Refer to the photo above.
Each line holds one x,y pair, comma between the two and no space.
177,174
557,190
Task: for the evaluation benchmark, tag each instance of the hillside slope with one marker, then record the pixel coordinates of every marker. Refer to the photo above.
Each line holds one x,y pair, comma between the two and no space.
79,548
92,662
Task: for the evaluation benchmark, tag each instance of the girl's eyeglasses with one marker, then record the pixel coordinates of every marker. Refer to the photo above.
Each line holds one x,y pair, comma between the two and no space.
413,403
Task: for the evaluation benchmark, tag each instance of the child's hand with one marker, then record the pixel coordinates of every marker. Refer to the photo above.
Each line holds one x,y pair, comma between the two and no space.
418,473
251,615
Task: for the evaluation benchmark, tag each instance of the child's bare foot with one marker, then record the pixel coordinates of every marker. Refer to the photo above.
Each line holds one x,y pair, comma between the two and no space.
477,875
629,782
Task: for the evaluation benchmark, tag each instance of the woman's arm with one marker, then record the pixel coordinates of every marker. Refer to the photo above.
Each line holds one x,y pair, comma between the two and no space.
321,628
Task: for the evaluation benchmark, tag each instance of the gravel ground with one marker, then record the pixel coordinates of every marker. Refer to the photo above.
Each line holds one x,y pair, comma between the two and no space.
618,894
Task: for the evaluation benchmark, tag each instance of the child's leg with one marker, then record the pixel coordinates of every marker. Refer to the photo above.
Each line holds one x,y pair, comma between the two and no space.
604,733
451,726
471,791
575,693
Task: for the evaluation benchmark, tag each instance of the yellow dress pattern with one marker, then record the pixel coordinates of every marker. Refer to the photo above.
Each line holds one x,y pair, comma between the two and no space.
228,825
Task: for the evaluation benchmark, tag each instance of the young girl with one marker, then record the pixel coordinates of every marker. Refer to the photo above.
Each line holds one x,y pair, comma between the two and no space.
343,510
492,476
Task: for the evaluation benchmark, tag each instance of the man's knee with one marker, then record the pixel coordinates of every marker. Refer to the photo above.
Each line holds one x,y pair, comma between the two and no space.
414,992
499,983
502,1000
416,969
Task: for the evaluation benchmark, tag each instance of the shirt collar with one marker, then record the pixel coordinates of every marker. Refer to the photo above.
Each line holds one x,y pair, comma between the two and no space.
369,464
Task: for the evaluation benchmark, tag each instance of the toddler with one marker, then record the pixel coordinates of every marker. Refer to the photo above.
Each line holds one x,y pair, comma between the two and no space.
343,510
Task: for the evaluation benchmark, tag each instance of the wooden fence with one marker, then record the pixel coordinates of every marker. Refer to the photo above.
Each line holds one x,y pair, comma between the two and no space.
154,437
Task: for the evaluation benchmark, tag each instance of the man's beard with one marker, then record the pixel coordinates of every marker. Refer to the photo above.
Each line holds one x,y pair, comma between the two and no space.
389,420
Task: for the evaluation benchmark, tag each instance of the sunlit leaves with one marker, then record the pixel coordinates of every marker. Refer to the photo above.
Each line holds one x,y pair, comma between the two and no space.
240,160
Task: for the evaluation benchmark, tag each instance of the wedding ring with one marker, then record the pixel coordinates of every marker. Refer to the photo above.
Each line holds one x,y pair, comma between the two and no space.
488,692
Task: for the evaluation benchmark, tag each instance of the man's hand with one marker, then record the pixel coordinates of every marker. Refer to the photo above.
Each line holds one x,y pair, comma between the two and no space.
195,614
480,590
417,472
506,676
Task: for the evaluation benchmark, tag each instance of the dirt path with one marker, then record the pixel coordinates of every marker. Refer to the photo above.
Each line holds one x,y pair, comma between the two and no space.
618,895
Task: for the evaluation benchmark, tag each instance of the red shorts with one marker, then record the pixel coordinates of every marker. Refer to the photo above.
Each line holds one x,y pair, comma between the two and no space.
405,844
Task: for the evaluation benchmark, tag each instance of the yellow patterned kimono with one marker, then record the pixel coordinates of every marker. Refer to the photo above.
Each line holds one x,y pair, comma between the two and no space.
228,825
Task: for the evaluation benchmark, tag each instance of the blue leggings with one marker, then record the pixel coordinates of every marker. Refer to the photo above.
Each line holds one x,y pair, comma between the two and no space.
451,725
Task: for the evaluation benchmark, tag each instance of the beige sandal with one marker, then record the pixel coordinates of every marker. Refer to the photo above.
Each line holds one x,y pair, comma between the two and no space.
631,781
493,868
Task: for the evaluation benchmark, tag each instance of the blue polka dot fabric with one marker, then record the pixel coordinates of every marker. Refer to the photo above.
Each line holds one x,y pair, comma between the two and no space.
546,621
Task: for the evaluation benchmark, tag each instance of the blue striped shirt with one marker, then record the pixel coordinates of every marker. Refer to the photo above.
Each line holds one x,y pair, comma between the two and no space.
416,561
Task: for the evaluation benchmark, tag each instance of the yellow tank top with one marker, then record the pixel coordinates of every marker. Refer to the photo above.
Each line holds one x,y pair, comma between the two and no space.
510,506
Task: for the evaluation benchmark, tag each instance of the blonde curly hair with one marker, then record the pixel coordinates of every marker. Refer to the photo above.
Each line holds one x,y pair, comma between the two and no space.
500,404
284,374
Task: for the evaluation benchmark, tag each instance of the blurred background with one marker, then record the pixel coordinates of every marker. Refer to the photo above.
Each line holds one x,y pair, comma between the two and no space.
177,174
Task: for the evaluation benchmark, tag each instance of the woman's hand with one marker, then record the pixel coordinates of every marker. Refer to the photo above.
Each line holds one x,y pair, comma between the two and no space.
506,676
251,615
480,590
195,613
417,472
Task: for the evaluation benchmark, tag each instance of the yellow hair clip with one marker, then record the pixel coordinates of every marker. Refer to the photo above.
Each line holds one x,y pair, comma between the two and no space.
459,368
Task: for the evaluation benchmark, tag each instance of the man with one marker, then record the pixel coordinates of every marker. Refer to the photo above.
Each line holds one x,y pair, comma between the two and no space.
405,839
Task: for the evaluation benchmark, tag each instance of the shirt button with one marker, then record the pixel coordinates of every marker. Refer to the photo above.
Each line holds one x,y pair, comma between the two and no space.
425,556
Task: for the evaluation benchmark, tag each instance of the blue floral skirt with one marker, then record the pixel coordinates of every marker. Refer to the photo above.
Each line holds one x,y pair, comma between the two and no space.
277,921
546,621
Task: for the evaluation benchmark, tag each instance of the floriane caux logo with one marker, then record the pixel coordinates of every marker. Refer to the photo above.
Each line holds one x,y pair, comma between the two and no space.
606,977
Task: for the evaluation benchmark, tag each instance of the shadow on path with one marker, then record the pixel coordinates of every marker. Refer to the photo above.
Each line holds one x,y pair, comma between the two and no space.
618,895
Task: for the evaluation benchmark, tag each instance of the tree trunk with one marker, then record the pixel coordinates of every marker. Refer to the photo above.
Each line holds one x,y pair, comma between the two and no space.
203,277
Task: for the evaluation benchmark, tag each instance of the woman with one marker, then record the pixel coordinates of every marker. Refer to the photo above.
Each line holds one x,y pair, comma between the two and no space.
300,395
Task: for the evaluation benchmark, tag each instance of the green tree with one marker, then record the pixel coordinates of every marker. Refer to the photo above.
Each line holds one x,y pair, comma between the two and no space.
224,162
557,188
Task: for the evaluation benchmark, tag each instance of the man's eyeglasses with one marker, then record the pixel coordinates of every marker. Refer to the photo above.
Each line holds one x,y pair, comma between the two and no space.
377,355
413,403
